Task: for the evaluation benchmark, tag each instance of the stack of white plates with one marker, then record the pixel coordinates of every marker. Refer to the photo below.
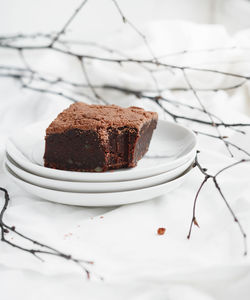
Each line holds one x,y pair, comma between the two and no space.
163,168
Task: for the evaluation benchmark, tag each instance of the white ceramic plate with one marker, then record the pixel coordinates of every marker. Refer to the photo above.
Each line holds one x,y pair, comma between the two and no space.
99,199
95,187
172,145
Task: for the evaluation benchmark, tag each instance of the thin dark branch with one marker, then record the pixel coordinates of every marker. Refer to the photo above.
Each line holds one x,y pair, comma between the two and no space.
224,138
128,60
232,165
233,215
217,89
195,51
49,250
45,91
217,186
85,73
125,20
72,17
136,93
194,220
205,110
23,59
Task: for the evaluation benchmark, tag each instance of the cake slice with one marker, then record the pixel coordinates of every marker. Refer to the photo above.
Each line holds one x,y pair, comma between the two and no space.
97,138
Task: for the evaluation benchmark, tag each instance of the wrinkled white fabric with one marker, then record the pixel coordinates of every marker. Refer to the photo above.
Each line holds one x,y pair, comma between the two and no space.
135,262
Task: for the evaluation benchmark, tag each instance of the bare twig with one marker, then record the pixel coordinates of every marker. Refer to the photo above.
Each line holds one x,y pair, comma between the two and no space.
136,93
125,20
89,82
194,220
72,17
44,250
224,138
217,186
124,60
205,110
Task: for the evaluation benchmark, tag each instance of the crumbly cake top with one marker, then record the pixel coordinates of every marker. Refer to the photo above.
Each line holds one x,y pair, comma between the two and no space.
93,117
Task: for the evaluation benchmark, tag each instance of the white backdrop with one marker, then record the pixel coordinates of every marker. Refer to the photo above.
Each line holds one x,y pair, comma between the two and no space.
136,263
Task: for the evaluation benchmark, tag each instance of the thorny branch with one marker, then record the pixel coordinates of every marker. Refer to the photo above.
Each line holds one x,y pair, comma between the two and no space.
58,43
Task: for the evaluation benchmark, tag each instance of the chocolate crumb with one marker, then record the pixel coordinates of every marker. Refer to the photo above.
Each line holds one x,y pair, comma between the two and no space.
161,231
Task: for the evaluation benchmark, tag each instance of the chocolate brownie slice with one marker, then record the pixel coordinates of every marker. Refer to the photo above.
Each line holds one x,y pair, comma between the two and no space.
96,138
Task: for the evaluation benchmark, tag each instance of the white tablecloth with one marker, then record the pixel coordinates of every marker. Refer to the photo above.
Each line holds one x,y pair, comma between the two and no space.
135,262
